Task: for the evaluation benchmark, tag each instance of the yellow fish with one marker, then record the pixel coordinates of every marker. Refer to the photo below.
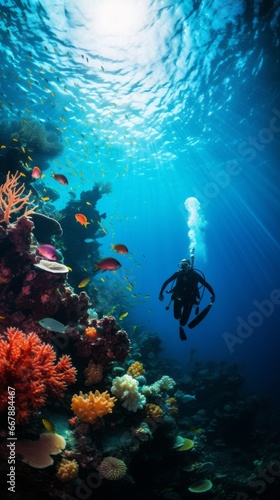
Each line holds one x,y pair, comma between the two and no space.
48,425
84,282
44,198
123,315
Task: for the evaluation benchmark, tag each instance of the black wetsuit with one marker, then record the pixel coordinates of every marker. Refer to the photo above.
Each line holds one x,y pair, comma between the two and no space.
185,293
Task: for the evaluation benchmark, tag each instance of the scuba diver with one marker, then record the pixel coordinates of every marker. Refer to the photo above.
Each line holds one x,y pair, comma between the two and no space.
186,294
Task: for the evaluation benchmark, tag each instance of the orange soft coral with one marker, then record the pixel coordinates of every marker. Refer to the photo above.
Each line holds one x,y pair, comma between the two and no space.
136,369
29,366
93,373
88,407
154,412
11,199
91,333
67,470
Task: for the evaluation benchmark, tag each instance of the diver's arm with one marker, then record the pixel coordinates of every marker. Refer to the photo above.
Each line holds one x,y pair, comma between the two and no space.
172,278
209,287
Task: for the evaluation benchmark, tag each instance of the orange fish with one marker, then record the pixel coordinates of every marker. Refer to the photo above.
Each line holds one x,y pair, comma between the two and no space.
82,219
61,178
36,173
122,249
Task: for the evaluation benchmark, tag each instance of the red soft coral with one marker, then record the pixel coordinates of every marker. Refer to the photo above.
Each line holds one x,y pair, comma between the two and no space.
28,366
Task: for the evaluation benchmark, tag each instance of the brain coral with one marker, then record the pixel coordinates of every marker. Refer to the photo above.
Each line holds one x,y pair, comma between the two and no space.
112,468
88,407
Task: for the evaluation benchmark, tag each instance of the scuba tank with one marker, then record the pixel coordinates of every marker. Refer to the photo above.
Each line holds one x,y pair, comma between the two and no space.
205,311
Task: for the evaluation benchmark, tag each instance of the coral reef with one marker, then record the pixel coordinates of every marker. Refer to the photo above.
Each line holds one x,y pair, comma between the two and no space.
29,367
110,343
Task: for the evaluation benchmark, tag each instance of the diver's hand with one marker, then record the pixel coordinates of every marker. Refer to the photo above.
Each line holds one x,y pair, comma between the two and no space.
161,297
212,299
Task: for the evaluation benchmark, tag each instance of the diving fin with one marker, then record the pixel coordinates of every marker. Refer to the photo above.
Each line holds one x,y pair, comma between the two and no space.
182,333
200,317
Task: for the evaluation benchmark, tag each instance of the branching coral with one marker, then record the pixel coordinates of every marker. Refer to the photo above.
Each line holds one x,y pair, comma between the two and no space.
165,384
88,407
29,366
12,199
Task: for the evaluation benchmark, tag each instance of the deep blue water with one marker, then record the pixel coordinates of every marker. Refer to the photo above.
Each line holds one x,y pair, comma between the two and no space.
166,100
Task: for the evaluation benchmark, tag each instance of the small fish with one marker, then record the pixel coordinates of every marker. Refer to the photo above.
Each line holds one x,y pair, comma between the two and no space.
48,425
133,329
107,264
88,240
119,248
45,198
52,325
84,282
48,251
82,219
123,315
61,178
195,430
2,317
187,397
36,173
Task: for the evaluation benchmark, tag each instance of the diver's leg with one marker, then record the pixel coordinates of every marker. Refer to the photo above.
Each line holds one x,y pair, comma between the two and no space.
186,314
177,308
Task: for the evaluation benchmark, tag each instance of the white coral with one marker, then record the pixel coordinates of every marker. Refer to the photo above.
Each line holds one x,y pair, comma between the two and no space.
125,389
165,384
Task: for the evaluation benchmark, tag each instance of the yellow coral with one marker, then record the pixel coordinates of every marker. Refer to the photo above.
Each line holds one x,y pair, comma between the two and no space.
88,407
136,369
172,403
67,469
154,412
93,373
91,332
